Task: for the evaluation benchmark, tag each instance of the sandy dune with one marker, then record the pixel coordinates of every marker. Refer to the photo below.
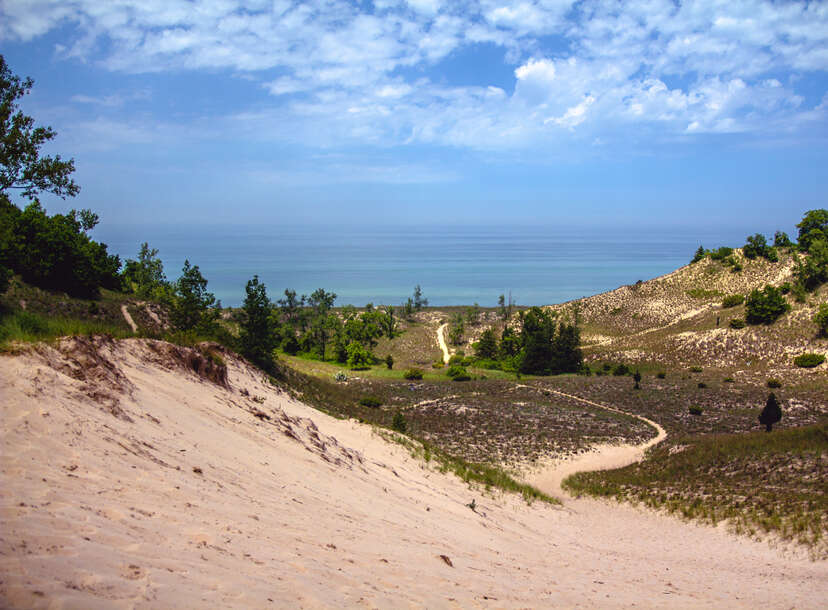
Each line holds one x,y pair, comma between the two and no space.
129,480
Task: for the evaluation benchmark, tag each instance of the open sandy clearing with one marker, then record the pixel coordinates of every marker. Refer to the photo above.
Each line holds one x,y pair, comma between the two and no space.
130,481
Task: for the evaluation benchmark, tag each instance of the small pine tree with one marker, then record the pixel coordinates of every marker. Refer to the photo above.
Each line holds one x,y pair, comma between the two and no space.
637,378
771,414
389,361
700,253
398,423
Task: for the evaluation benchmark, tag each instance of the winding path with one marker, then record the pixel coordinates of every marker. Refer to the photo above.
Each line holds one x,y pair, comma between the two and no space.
441,339
129,319
600,457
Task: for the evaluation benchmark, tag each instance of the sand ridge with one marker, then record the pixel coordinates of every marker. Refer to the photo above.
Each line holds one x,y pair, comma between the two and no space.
137,482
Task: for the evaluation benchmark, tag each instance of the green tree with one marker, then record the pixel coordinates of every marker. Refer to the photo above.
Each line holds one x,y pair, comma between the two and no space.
501,306
389,325
812,271
257,336
55,252
814,226
765,306
509,343
419,301
358,356
456,329
756,245
22,167
192,307
473,315
781,240
487,346
637,379
145,276
771,414
700,254
536,337
821,319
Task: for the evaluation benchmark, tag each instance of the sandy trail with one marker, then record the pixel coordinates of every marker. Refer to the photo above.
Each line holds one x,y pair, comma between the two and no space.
129,481
129,319
441,340
549,476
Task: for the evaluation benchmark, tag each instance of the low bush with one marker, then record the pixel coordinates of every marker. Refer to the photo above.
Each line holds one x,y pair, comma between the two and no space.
486,363
456,370
733,300
809,360
729,380
437,364
696,369
398,423
765,306
702,385
620,370
774,383
456,359
370,401
661,375
461,377
737,323
413,374
721,253
694,410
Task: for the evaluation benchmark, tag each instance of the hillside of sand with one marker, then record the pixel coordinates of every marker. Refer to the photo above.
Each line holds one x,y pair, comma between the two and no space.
140,474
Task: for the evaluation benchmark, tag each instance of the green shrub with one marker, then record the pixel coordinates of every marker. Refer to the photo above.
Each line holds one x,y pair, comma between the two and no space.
721,253
358,356
737,323
389,362
733,300
774,383
765,306
661,375
699,255
729,380
370,401
621,369
696,369
456,359
809,360
702,385
413,374
398,423
461,377
437,364
485,363
694,410
455,370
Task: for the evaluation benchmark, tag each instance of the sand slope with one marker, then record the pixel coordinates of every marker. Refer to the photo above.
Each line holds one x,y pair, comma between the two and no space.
100,506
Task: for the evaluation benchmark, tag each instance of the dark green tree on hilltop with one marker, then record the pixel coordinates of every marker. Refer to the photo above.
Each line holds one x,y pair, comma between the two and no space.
814,226
258,339
193,306
765,306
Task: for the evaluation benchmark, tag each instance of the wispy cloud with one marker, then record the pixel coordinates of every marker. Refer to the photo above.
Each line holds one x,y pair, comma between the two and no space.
680,69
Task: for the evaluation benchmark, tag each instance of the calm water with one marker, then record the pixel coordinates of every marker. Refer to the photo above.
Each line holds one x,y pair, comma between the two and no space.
454,266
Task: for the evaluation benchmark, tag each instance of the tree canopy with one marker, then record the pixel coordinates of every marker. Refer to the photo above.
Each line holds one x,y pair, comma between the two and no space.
22,167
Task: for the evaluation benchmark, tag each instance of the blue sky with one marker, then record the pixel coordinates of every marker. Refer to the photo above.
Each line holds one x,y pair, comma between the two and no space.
630,113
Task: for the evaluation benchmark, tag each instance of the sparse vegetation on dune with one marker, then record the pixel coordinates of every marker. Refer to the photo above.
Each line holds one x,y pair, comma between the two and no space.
758,482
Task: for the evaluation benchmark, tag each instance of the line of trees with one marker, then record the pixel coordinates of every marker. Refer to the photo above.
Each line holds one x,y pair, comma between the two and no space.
541,345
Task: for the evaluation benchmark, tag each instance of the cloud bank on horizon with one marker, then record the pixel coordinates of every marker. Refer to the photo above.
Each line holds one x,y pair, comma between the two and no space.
529,79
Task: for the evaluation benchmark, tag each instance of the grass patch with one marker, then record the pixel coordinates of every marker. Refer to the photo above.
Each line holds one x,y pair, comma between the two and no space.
29,327
759,482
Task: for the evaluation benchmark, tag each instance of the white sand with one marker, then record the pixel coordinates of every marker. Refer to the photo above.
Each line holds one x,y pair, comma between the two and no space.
441,340
306,511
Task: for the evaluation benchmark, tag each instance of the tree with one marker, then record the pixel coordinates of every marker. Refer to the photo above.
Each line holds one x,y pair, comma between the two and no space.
258,339
781,240
358,356
765,306
192,304
771,414
536,337
473,315
487,346
388,323
501,306
21,164
821,319
814,226
54,252
456,329
145,276
637,378
756,245
419,301
812,272
700,254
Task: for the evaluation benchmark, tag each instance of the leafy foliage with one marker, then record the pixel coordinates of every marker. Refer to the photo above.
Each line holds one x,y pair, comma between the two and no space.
547,349
813,227
821,319
55,252
733,300
781,240
145,276
812,271
21,164
358,356
258,338
487,346
765,306
413,374
192,306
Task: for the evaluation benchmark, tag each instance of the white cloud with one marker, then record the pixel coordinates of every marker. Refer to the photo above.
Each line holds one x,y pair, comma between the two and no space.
590,69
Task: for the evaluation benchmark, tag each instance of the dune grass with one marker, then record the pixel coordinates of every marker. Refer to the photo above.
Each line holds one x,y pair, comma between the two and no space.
29,327
758,482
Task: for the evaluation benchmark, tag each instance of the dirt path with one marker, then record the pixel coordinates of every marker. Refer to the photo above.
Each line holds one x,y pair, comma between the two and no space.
129,319
441,339
549,477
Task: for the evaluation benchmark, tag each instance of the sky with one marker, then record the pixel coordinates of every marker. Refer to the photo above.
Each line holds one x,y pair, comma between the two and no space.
635,113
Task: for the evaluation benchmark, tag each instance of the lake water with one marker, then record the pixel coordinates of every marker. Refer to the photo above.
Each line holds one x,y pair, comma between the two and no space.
454,265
